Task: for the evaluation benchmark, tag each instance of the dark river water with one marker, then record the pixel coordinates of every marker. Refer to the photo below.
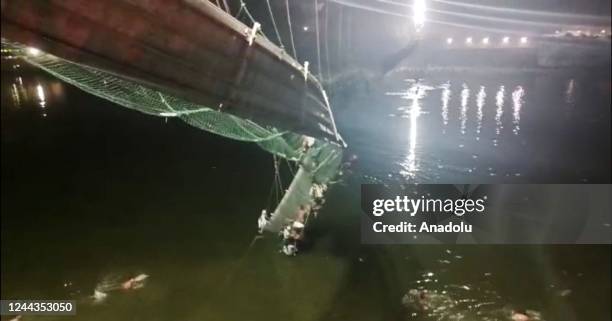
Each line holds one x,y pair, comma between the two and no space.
468,126
92,191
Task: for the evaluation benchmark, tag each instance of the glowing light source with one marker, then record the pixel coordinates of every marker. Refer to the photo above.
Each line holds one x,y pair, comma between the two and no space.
523,40
506,40
469,40
449,41
33,51
603,31
305,28
418,14
485,40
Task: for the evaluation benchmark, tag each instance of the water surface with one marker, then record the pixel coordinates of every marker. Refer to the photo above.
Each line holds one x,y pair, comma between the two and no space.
91,191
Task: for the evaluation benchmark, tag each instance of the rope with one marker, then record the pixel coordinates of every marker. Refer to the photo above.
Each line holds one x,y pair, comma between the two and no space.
325,35
246,10
291,30
280,41
276,186
316,7
230,276
227,8
279,181
290,168
237,16
340,25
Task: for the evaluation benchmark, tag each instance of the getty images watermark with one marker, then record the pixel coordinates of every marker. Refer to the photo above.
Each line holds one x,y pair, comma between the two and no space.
488,214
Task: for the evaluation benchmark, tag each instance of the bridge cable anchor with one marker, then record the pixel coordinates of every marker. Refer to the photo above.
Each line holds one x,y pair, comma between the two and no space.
252,33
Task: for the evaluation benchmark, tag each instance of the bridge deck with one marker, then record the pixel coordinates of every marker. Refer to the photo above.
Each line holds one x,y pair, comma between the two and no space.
190,49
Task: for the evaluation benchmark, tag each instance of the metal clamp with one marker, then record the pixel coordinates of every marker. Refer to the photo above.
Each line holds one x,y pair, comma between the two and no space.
252,33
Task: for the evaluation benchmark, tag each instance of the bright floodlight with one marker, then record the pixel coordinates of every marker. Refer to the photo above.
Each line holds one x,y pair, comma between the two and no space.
418,14
305,28
523,40
468,40
449,41
485,40
33,51
506,40
603,31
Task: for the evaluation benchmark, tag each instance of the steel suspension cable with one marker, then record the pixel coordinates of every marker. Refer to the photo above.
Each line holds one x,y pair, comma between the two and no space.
246,10
316,8
325,35
227,8
295,55
280,41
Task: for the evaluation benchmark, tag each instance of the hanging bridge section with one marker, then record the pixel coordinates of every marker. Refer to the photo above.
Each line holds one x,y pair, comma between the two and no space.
191,59
189,49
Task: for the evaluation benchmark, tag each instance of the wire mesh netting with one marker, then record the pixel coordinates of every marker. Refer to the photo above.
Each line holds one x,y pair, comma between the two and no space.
320,160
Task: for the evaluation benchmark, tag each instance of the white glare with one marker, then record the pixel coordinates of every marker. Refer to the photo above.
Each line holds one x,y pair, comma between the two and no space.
603,31
465,96
499,102
33,51
446,93
449,40
468,40
305,28
480,102
523,40
485,41
41,95
506,40
517,104
418,14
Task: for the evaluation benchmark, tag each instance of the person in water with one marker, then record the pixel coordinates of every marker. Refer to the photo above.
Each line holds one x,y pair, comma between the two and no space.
293,233
302,214
263,220
425,302
289,241
103,288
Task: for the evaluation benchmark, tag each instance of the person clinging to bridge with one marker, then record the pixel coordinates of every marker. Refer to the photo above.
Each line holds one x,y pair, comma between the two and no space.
293,233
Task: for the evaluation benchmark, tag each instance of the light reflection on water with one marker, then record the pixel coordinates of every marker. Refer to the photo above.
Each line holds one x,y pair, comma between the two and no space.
189,256
35,93
418,91
446,95
482,129
414,94
499,112
517,104
480,101
465,96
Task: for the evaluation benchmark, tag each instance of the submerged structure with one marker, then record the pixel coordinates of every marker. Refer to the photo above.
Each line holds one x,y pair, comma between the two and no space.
191,60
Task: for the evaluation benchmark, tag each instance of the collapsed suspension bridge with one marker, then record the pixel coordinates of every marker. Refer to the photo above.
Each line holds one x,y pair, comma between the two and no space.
193,60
